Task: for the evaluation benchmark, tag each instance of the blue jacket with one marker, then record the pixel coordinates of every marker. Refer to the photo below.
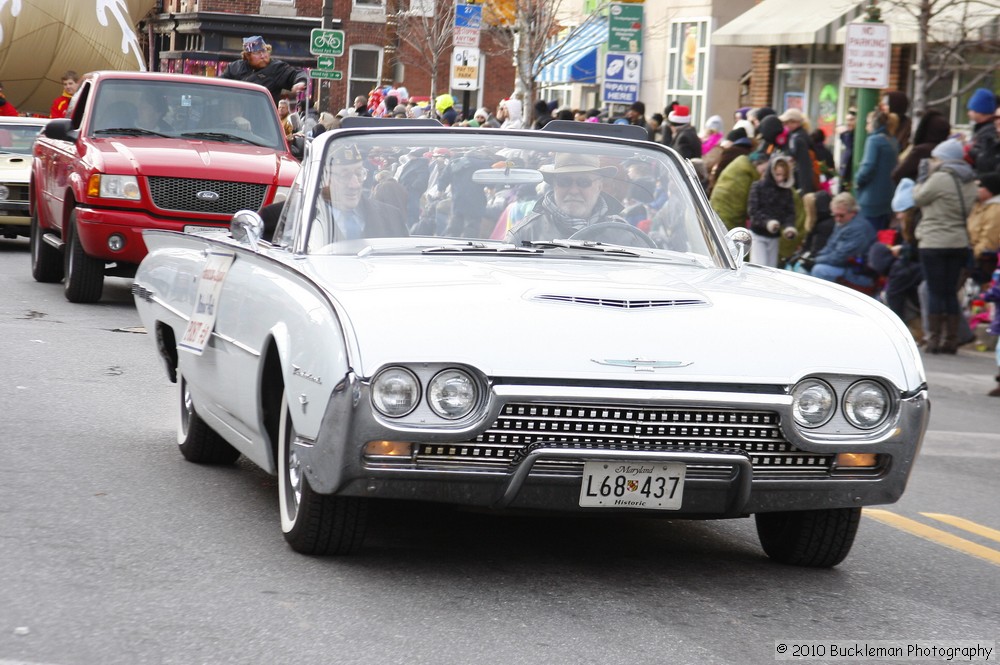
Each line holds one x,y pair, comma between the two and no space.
847,241
873,185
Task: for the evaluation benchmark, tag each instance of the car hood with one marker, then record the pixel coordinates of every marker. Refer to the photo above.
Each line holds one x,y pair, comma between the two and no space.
194,159
15,168
601,319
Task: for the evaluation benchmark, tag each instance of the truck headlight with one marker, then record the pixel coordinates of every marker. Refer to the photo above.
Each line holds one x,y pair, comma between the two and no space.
866,404
114,186
452,394
395,392
813,403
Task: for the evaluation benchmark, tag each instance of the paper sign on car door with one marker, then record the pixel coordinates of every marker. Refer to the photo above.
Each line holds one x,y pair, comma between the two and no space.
202,320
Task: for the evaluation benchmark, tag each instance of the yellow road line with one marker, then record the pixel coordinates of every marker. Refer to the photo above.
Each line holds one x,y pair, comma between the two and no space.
934,535
967,525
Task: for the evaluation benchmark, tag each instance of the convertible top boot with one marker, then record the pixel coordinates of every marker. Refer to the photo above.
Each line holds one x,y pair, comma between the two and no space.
949,333
932,341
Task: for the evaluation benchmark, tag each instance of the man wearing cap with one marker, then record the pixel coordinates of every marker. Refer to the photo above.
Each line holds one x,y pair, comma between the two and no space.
983,152
684,136
257,66
348,214
574,201
799,147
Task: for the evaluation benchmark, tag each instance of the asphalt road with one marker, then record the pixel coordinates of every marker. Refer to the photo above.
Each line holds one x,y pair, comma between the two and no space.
114,550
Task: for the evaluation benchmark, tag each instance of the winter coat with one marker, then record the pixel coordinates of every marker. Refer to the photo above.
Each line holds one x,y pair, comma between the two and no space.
984,226
848,240
799,145
731,191
276,76
546,221
931,130
686,142
873,184
943,224
984,151
725,159
771,200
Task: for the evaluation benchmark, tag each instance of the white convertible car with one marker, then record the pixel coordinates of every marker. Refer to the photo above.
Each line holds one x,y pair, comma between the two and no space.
551,320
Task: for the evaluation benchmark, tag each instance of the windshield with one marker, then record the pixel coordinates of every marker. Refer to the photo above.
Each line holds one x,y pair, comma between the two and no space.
18,138
206,111
440,191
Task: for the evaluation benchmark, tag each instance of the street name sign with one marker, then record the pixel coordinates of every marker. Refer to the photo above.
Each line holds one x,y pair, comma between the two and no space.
867,56
326,42
328,74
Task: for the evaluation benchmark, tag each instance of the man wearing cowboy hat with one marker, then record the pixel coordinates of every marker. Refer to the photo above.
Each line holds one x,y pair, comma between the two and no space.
574,201
258,67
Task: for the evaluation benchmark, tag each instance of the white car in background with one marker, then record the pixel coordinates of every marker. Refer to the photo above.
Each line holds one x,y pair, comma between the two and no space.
626,368
17,136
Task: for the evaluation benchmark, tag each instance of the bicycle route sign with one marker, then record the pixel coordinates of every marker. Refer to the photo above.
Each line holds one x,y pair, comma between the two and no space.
326,42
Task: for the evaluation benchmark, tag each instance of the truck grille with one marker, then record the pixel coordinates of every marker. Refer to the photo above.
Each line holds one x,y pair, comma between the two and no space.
640,428
181,195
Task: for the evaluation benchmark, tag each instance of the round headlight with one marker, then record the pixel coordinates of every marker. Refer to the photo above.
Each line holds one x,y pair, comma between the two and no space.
452,394
866,404
395,392
813,403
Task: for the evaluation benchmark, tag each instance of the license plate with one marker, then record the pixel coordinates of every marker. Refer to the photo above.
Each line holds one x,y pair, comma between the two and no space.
193,228
652,485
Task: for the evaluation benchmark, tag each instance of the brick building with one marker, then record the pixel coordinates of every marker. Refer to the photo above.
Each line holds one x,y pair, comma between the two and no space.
203,36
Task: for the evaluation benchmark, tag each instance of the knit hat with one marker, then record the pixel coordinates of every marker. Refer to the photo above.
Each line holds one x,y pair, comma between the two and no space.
949,151
990,181
714,122
681,115
982,101
736,134
903,198
792,115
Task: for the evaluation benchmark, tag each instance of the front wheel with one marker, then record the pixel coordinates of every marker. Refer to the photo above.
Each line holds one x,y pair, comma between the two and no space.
46,264
812,538
313,523
197,441
84,274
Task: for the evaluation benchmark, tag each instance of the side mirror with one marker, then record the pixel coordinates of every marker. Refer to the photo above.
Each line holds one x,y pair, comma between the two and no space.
60,129
739,241
247,227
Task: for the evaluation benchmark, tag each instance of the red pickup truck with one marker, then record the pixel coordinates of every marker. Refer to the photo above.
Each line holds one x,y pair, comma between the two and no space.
142,150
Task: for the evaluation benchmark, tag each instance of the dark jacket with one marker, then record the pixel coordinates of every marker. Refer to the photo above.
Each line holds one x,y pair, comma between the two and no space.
899,104
820,233
770,200
546,221
686,142
277,76
931,130
799,147
985,149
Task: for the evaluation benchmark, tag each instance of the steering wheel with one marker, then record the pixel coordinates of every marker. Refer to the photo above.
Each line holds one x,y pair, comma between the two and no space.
596,231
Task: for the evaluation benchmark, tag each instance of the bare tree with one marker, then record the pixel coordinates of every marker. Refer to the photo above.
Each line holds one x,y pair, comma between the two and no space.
954,37
428,31
533,32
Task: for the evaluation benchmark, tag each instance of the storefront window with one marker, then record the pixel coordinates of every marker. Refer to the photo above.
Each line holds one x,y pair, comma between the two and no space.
688,65
366,63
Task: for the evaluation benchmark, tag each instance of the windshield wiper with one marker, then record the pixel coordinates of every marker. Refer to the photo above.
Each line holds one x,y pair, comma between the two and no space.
482,247
131,131
591,245
221,136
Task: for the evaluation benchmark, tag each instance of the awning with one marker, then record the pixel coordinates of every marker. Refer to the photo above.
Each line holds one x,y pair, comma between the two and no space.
574,59
788,23
952,23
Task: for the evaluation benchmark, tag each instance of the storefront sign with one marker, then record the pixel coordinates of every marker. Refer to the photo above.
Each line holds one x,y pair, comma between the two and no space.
622,74
625,27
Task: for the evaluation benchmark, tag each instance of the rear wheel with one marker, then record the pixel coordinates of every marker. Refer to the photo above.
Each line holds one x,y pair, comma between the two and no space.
313,523
46,264
84,274
813,538
197,441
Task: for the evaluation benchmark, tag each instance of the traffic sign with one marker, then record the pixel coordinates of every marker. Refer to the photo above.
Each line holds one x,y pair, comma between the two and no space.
465,69
326,74
468,23
326,42
326,62
867,56
622,74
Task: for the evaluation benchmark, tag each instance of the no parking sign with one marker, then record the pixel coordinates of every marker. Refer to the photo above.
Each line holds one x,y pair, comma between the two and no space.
622,74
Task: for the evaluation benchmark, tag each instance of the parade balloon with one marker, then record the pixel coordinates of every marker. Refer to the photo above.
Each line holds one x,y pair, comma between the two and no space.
42,39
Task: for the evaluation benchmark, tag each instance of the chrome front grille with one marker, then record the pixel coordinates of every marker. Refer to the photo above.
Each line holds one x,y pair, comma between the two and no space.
181,195
636,428
16,193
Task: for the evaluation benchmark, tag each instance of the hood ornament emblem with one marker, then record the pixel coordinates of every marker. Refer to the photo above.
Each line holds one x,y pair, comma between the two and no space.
642,364
207,195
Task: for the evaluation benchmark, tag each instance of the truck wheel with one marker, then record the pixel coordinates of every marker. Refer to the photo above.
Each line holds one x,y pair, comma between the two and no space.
198,442
84,274
313,523
813,538
46,264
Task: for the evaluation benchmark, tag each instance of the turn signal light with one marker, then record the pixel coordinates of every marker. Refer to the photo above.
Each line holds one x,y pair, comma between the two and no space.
388,448
857,459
